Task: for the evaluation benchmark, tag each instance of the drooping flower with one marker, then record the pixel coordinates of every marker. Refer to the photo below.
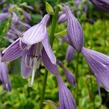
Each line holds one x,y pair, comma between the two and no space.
13,34
75,32
99,64
4,16
16,22
69,75
38,33
30,54
62,17
65,97
77,2
70,53
101,4
27,16
17,28
2,2
4,75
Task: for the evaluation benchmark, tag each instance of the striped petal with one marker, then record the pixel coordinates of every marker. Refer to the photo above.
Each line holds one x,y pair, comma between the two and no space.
14,51
26,68
99,64
70,53
48,50
62,18
65,97
36,33
75,32
69,75
4,76
46,61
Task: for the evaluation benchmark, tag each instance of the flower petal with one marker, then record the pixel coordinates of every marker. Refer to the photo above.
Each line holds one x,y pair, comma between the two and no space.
46,61
65,96
4,16
14,51
36,33
77,2
75,32
26,69
70,54
69,75
48,50
99,64
4,76
62,18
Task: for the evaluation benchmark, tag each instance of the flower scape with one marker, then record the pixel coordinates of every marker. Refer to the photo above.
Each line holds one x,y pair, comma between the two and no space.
33,46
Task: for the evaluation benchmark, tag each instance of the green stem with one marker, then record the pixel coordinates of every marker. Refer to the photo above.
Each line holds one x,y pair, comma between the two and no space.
43,90
90,90
93,99
77,76
53,28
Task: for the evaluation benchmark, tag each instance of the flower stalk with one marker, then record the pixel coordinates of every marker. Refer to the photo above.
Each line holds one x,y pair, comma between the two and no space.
52,37
53,26
77,76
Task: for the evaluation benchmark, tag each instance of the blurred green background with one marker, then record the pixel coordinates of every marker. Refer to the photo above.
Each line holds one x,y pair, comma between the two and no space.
96,33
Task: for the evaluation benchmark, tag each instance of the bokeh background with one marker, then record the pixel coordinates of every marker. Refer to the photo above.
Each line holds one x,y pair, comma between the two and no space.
95,25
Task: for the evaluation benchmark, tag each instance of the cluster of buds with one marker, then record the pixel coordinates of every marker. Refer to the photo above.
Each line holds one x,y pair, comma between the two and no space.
98,62
33,48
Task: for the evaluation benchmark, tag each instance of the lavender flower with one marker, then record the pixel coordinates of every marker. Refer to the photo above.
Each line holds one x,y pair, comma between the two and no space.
70,53
13,34
65,97
16,29
2,2
17,22
38,33
75,32
4,75
77,2
4,16
69,75
62,17
101,4
99,64
30,57
30,54
27,16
